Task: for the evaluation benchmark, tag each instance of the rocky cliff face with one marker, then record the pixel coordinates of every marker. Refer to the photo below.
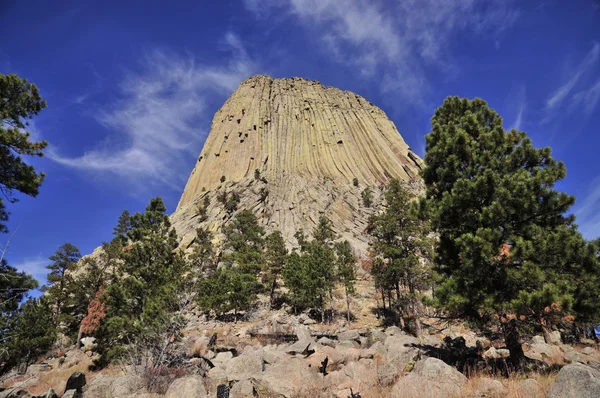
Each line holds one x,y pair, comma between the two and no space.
308,142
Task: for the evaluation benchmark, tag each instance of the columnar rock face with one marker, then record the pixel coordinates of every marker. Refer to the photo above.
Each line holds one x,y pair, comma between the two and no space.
309,142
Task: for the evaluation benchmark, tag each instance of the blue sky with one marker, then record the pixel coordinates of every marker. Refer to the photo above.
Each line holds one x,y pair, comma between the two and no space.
132,86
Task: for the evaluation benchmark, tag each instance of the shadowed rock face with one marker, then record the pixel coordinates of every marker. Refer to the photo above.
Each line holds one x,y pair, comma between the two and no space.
309,142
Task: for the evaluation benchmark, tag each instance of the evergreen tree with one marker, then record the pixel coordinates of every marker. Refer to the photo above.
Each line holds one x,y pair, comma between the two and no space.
14,286
63,260
310,275
505,241
202,258
228,289
275,253
143,296
123,225
26,334
401,241
346,272
19,101
244,238
235,286
367,197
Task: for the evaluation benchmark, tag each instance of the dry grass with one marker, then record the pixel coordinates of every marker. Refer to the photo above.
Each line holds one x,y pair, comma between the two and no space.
512,385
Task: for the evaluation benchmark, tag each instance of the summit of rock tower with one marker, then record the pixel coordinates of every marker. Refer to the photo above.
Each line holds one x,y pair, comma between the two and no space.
293,149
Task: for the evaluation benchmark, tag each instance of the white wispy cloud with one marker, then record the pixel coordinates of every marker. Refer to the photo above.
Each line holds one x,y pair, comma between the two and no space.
156,126
521,107
558,97
587,100
587,213
35,266
395,43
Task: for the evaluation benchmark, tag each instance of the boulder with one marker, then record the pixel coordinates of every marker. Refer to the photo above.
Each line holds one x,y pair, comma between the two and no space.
491,354
117,386
491,388
576,380
326,341
217,375
377,335
288,378
503,353
544,352
76,381
430,378
127,385
243,389
347,344
400,350
302,347
588,351
187,387
393,330
349,335
222,357
555,337
303,333
89,344
271,356
538,340
244,366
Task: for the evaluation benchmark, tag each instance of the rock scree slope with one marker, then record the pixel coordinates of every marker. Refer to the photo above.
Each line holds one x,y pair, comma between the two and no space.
309,142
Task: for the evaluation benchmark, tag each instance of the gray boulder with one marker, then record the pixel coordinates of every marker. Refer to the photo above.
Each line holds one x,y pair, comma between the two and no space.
288,378
244,366
576,380
349,335
431,378
491,388
303,333
326,341
187,387
302,347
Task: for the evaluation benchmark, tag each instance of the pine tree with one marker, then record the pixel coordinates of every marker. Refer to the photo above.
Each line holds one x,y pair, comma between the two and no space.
19,101
202,258
63,260
310,275
367,197
14,286
504,239
401,241
26,334
244,238
123,225
275,254
142,299
235,286
345,267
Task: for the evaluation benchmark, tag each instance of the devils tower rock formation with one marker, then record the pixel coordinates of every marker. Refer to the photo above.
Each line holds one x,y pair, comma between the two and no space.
308,143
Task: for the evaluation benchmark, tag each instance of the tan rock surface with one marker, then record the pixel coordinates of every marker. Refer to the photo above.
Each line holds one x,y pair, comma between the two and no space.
309,143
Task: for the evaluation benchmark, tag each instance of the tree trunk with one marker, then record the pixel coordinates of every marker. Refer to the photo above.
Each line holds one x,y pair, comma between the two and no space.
415,313
79,336
512,340
545,331
273,291
347,304
383,298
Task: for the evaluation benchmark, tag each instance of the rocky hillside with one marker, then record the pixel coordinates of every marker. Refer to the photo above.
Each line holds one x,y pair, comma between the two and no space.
309,143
